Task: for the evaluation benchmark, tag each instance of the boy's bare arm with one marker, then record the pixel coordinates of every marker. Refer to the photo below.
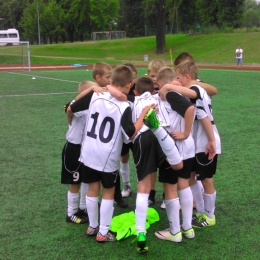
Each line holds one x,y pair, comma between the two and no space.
211,146
94,88
116,93
186,92
211,90
188,118
69,115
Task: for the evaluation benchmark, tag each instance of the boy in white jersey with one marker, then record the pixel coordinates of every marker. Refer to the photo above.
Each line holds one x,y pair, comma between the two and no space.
149,154
181,115
109,123
71,173
153,67
207,147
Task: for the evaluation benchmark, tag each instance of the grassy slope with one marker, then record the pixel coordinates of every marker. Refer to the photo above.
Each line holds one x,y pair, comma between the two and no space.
205,48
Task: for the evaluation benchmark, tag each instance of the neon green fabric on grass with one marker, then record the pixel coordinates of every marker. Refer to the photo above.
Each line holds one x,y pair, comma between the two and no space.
124,224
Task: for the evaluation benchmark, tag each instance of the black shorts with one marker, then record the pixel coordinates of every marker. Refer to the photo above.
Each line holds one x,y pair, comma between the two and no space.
205,168
187,168
126,148
107,179
167,174
70,172
148,154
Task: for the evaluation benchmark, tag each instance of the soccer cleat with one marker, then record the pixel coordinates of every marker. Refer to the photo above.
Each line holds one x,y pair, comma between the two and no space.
151,119
151,202
189,233
76,219
126,191
82,213
92,231
203,221
167,235
121,203
195,216
141,243
163,206
109,237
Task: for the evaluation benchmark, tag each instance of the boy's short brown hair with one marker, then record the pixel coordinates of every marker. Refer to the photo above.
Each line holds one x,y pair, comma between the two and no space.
132,66
99,69
166,75
155,65
122,76
189,68
144,84
85,84
184,56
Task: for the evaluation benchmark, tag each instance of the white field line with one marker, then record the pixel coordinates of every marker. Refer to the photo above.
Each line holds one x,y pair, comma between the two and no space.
42,77
40,94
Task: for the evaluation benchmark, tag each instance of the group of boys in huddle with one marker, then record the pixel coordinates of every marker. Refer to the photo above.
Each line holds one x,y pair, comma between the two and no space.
165,118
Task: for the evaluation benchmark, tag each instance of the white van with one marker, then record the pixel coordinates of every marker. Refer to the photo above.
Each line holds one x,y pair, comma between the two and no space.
9,37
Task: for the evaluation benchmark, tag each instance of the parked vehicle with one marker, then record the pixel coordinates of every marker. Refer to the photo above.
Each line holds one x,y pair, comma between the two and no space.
9,37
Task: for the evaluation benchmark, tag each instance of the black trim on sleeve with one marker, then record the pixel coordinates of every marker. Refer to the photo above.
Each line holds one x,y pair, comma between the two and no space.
82,104
178,103
127,123
196,89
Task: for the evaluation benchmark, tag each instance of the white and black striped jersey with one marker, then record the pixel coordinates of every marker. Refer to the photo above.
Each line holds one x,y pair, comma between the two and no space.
109,124
146,99
76,129
176,106
203,109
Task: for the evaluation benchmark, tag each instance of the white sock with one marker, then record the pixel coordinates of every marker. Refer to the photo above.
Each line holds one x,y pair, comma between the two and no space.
201,186
168,145
172,209
106,213
210,202
125,172
141,211
197,195
186,201
83,193
92,208
73,200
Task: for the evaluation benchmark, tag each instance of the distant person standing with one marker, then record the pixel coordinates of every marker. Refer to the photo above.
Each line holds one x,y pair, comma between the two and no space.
239,54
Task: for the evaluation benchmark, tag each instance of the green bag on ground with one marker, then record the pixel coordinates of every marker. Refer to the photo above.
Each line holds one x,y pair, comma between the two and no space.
124,224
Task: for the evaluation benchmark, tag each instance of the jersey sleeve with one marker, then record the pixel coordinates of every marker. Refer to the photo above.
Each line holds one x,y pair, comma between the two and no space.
178,103
127,123
82,104
193,100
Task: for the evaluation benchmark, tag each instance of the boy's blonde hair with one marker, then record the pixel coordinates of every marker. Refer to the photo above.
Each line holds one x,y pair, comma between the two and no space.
85,84
189,68
184,56
144,84
122,76
100,68
166,75
155,65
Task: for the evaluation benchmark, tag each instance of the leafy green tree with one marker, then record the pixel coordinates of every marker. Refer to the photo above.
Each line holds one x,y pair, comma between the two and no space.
132,18
12,11
206,11
230,13
52,19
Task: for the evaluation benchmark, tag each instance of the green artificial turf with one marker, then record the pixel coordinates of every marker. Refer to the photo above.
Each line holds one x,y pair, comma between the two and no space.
33,202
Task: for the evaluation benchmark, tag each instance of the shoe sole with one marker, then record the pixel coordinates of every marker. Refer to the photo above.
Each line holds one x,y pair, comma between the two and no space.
164,238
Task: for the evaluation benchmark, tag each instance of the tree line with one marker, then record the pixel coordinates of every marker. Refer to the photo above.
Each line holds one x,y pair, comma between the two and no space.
74,20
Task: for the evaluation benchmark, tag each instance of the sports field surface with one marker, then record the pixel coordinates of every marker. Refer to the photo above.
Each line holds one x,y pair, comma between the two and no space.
33,202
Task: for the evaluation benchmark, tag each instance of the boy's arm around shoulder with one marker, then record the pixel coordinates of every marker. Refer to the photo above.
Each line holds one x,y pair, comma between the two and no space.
186,92
211,90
